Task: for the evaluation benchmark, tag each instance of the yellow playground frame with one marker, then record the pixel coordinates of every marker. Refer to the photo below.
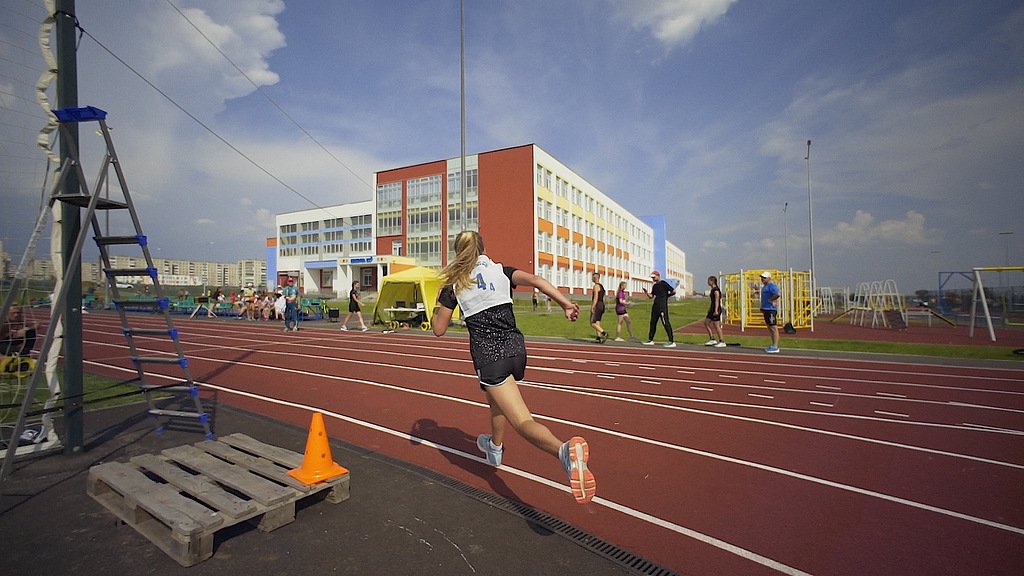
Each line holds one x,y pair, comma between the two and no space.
741,298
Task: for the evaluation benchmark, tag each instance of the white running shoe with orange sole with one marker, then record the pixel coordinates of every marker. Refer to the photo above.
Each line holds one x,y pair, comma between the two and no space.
575,453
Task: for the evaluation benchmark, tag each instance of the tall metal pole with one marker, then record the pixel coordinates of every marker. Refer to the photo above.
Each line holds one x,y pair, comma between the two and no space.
462,109
785,239
67,97
789,276
810,230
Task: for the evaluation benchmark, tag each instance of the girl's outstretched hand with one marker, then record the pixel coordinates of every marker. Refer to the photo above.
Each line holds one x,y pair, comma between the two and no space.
572,312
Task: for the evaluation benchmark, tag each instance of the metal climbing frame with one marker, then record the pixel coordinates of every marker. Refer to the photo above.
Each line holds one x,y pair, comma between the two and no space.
183,387
741,296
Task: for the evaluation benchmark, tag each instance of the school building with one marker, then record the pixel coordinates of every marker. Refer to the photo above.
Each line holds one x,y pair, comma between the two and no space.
534,213
326,249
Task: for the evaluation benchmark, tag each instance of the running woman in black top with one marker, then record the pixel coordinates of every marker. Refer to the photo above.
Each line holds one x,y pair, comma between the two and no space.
354,307
483,290
597,307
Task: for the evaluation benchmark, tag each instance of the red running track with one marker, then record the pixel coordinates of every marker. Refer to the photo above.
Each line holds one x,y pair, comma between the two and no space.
708,462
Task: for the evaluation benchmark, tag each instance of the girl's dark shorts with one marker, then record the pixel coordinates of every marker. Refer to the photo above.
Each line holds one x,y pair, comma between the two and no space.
495,373
353,307
714,317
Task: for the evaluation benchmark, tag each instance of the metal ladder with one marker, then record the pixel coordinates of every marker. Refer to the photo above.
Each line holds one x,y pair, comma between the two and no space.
184,389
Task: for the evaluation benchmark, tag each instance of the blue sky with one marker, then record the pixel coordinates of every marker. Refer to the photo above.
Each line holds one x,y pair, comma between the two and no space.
696,109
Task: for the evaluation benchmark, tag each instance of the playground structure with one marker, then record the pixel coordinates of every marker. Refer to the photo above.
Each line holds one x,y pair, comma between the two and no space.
880,304
741,298
1012,301
871,302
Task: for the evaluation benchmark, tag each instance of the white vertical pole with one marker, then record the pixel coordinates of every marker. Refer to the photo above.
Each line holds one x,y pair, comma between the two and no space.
810,229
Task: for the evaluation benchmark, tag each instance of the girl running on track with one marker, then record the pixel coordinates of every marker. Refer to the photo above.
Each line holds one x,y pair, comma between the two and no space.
354,307
597,307
483,290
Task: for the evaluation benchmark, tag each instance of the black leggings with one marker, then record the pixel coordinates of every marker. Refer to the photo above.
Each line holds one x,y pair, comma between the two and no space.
659,313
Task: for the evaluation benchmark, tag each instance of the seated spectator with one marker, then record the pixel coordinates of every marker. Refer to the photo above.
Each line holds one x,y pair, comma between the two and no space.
17,337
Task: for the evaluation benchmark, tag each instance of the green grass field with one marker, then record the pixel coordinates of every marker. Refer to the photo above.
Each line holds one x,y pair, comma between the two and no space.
554,324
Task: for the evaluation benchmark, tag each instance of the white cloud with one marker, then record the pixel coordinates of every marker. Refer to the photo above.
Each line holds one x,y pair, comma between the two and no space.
713,245
673,22
864,231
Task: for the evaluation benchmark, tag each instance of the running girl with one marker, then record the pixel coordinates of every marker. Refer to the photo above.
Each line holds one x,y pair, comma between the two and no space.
483,290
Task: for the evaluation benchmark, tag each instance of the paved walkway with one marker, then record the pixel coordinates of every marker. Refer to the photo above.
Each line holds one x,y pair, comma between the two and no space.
399,519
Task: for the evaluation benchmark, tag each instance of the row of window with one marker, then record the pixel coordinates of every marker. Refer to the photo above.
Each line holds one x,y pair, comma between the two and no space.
580,279
588,203
426,250
329,250
575,223
563,247
423,215
563,189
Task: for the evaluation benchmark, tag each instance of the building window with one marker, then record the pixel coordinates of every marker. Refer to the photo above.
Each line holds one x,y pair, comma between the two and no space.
396,247
426,250
424,191
389,209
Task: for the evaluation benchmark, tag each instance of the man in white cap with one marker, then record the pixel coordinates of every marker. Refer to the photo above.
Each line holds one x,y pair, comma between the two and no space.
769,294
660,292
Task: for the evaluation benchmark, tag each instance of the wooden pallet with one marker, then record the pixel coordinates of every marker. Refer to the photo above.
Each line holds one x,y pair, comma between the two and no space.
182,497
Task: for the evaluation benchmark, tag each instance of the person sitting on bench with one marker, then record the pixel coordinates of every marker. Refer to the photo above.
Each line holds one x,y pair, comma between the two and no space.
17,337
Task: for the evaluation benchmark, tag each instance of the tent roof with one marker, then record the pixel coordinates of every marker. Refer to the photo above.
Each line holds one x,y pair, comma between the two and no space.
417,274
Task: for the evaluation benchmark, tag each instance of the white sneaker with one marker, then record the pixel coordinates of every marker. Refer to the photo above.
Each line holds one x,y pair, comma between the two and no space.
721,345
494,453
711,342
648,342
363,329
619,339
670,345
344,328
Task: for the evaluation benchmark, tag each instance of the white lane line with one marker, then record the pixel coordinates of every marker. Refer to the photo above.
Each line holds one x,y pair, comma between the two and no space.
801,476
616,364
688,532
650,382
728,376
579,361
896,414
761,396
690,372
701,388
821,404
824,387
767,381
601,393
642,367
984,427
890,394
543,369
605,376
703,453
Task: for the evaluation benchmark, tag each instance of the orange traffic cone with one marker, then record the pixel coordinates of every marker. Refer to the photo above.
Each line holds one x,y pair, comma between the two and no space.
317,464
